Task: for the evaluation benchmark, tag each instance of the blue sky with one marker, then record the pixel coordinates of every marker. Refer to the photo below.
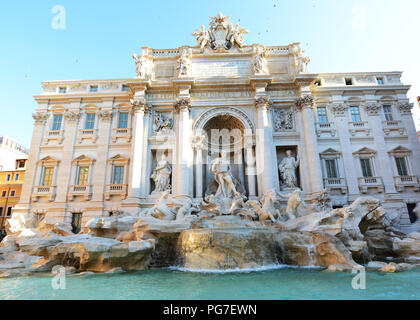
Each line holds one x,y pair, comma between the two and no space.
100,36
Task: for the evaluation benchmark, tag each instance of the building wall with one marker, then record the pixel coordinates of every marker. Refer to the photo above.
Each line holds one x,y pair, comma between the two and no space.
10,191
238,95
10,150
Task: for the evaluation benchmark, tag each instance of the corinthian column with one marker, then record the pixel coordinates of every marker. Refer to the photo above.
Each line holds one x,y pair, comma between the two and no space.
139,109
183,169
266,160
311,144
408,124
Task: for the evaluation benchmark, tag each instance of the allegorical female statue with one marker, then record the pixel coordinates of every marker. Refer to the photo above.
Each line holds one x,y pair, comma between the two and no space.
162,175
287,170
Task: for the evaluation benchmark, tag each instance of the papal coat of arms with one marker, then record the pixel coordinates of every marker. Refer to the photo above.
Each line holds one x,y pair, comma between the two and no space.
221,35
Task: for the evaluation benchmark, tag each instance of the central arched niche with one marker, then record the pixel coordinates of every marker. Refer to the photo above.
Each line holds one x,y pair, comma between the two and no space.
224,132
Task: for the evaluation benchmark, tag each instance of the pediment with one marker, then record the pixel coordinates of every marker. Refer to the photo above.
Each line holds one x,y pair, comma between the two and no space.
119,158
330,151
400,149
83,158
49,159
365,150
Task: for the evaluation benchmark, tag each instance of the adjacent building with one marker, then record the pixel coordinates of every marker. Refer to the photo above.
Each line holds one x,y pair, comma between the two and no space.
10,189
10,151
97,143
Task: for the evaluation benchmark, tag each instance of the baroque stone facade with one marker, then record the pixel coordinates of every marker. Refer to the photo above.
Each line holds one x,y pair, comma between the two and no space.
98,145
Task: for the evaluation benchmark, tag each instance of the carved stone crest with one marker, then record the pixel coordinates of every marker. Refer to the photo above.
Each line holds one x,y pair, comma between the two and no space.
221,35
72,116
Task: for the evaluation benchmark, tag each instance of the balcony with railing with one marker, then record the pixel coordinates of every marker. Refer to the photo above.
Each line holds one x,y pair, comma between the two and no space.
402,182
325,129
87,135
43,192
336,184
359,128
116,190
121,134
84,191
54,135
393,127
366,183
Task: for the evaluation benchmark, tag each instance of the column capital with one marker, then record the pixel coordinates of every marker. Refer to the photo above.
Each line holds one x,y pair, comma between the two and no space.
139,105
405,108
197,142
263,103
40,118
372,108
340,109
305,102
182,104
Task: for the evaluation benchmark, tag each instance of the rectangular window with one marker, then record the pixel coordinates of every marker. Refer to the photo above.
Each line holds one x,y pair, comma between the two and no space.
355,114
388,113
4,194
90,121
8,177
349,81
125,88
62,90
93,88
331,167
13,193
1,211
123,120
47,176
9,211
118,175
82,176
58,118
401,166
21,164
322,114
380,81
366,168
17,177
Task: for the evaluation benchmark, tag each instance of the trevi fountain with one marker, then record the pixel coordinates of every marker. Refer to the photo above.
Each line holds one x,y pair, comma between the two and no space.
231,242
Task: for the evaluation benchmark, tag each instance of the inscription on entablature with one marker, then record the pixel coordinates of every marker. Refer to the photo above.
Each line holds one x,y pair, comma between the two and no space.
221,68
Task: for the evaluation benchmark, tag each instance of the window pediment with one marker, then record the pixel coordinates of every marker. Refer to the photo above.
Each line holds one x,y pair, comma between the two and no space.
365,152
83,159
330,152
49,160
400,150
119,159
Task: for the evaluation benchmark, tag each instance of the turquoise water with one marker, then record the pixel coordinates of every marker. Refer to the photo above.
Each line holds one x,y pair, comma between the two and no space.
167,284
